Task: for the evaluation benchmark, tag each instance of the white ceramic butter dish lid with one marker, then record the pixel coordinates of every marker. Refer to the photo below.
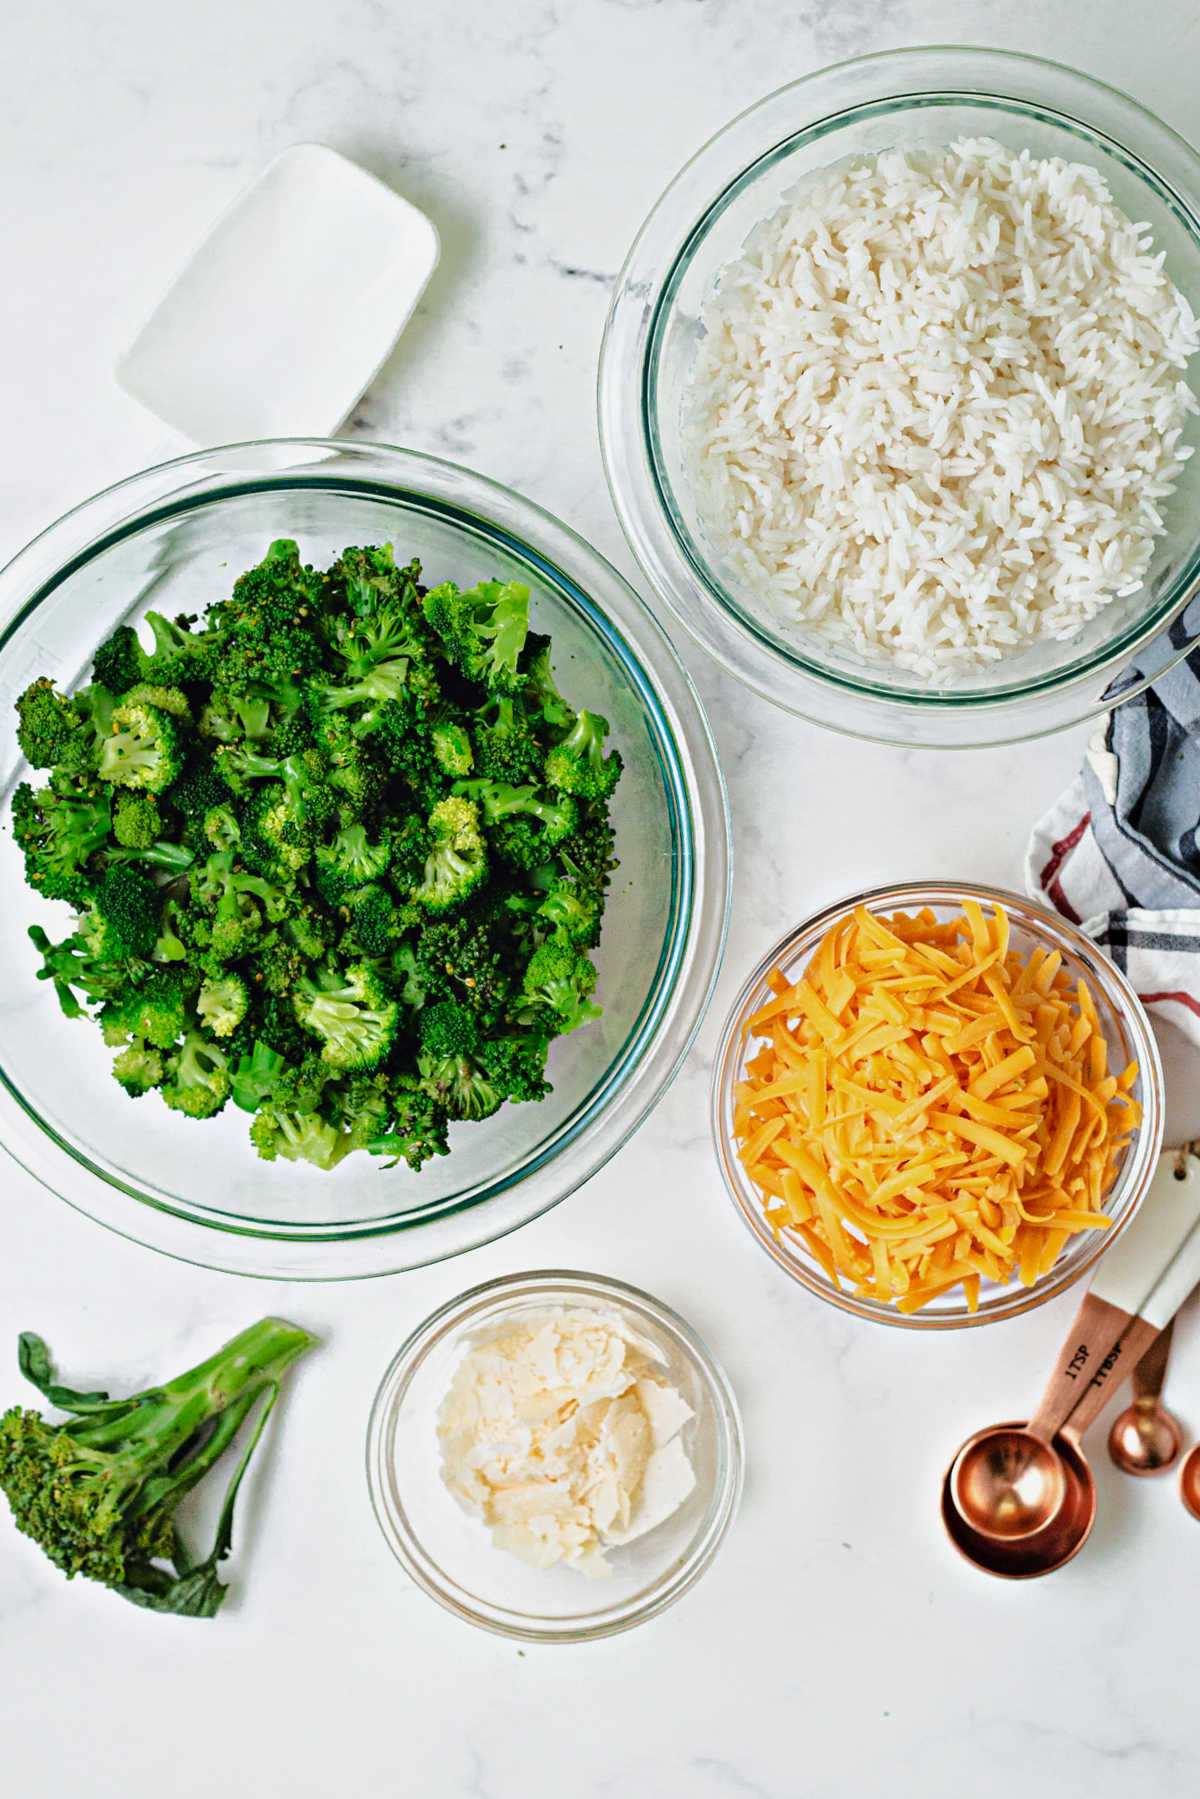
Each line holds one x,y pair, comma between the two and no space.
289,307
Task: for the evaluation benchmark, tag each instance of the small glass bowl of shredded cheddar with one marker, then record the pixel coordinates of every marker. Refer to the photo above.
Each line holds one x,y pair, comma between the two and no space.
936,1105
548,1427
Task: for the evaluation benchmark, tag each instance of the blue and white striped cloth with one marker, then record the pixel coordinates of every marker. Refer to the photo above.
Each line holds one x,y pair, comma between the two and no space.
1119,854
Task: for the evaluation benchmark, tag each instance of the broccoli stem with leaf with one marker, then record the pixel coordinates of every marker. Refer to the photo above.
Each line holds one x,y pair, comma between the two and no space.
99,1492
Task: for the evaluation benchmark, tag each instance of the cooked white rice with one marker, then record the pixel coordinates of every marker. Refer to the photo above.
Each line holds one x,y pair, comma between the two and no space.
938,403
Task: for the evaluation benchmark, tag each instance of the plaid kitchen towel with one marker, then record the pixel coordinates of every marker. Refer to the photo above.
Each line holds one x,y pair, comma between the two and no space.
1119,852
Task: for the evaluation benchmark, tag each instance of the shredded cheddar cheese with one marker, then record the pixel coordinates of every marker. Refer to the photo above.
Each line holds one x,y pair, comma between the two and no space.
926,1106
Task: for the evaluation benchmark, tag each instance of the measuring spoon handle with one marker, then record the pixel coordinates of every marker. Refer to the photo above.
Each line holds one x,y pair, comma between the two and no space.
1092,1339
1158,1308
1130,1273
1141,1336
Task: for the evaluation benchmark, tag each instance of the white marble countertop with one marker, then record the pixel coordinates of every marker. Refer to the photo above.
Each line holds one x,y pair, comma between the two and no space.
837,1646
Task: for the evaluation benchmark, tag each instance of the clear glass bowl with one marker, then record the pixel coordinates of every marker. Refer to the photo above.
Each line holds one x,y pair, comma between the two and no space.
900,99
451,1556
172,539
1126,1029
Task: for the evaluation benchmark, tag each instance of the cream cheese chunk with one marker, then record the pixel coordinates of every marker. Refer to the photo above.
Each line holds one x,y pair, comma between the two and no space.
561,1432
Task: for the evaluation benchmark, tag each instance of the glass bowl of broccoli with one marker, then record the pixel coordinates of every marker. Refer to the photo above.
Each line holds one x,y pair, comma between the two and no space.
365,857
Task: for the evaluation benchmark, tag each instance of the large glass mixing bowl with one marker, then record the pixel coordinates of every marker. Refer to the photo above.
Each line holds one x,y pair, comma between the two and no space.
172,539
901,99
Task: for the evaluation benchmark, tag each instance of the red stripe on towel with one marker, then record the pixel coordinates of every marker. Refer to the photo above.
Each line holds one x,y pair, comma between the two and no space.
1183,999
1048,879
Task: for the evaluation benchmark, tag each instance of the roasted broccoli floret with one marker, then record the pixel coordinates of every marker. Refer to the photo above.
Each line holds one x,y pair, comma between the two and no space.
222,827
297,1137
222,1003
459,1085
270,628
369,584
98,1492
578,764
166,699
155,1009
483,629
229,717
561,978
350,861
199,790
179,653
275,840
588,856
311,930
121,920
457,861
143,750
456,958
416,1129
539,694
523,827
507,749
452,748
575,909
136,820
118,661
303,775
139,1068
516,1065
49,725
449,1029
376,921
499,802
353,1015
225,887
197,1081
256,1075
57,834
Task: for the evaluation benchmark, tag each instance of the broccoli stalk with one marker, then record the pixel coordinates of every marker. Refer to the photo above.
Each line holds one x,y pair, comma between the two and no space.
98,1493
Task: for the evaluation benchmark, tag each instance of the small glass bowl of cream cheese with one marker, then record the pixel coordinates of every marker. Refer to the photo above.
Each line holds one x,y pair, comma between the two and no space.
554,1456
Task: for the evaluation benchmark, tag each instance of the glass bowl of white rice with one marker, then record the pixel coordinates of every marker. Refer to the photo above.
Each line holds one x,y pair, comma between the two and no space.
899,393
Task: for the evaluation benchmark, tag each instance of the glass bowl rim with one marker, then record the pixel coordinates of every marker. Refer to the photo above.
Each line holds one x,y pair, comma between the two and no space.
685,753
1133,1177
660,542
587,1288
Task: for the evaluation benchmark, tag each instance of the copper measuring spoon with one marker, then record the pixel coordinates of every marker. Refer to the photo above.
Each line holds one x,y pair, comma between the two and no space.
1006,1482
1145,1438
1065,1532
1019,1499
1189,1480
